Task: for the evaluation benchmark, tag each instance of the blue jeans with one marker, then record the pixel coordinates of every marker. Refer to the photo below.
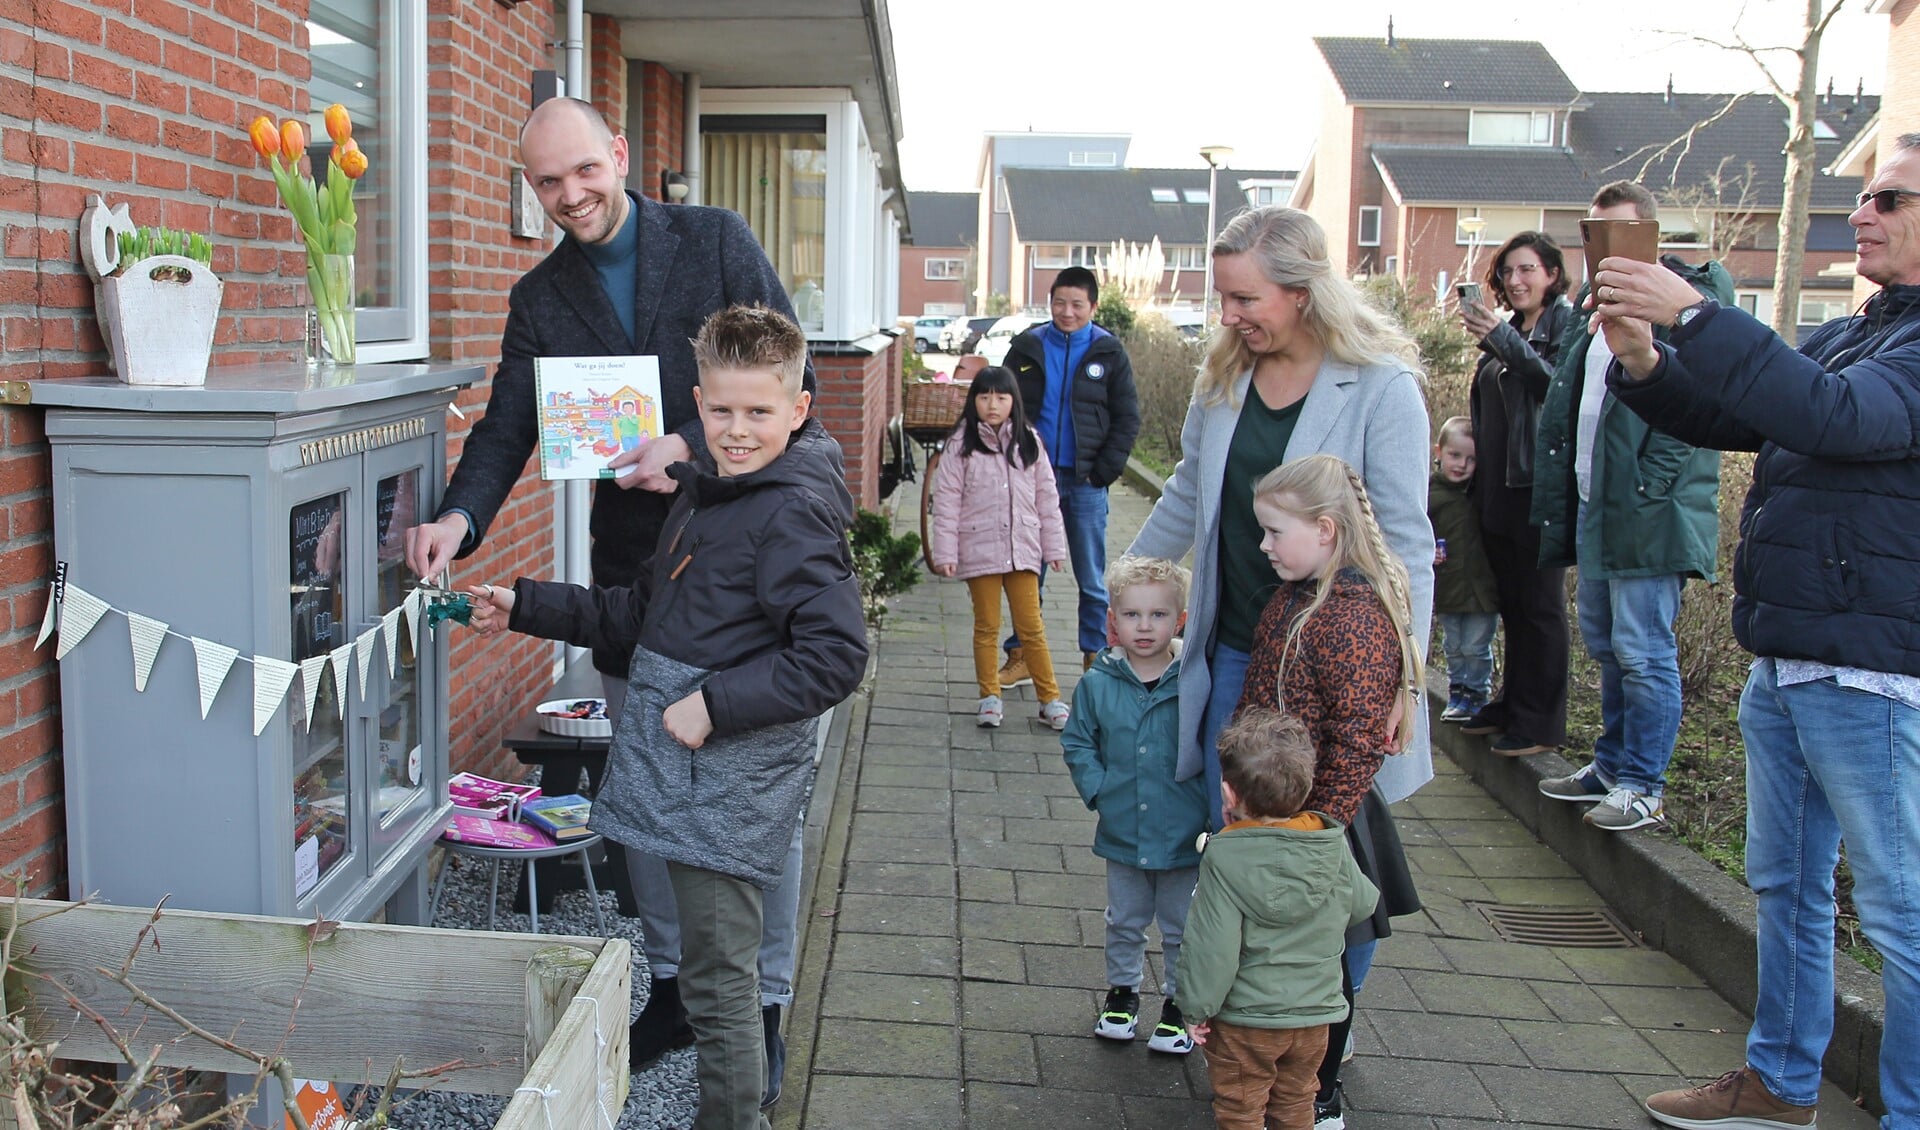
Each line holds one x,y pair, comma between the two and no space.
1627,624
1467,638
1827,763
1083,507
1228,671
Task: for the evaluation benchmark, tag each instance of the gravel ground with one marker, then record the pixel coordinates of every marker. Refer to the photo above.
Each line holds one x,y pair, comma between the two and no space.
662,1098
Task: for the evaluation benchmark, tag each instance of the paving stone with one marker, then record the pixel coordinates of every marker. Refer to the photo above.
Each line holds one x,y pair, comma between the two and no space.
876,877
926,802
1075,832
1009,857
1451,918
1050,784
1503,959
1036,1009
901,825
1473,996
1559,1046
1081,862
1409,951
996,1106
1543,892
895,953
908,735
892,695
897,914
1093,926
990,959
1167,1114
983,884
974,781
1459,1039
1000,804
1575,1003
1036,738
1464,833
932,721
871,1047
1417,1087
1040,888
1533,861
1044,924
1388,989
875,753
987,828
1000,1057
877,846
1629,967
1070,808
1562,1098
1699,1009
1435,859
878,1100
889,996
906,776
1086,1063
1444,890
1465,805
1072,967
1700,1055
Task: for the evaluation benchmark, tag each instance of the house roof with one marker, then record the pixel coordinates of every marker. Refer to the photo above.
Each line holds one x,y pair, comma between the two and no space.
1104,205
944,219
1450,174
1446,72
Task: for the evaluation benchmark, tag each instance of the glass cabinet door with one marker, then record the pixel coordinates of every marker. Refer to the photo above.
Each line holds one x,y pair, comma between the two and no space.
319,548
398,764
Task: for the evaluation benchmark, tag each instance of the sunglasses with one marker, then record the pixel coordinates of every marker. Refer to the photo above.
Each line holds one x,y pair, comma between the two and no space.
1885,200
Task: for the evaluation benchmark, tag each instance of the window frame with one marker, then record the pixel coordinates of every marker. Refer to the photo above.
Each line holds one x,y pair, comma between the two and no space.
1493,239
1086,159
1360,225
1537,134
959,268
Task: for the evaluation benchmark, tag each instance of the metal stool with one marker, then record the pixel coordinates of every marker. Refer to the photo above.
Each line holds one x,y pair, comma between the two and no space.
527,855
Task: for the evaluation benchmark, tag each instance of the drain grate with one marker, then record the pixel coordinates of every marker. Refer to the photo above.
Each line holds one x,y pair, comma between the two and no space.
1556,926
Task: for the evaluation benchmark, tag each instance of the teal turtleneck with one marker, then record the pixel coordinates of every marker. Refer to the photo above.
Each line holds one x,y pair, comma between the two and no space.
617,261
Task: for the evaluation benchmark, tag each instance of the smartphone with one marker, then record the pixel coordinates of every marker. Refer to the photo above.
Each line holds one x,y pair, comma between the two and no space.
1468,293
1626,239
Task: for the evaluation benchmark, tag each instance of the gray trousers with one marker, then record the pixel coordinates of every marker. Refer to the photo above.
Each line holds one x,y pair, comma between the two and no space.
660,921
720,920
1136,898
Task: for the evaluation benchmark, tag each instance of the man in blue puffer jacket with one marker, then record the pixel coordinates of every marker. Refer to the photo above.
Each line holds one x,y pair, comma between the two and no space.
1827,597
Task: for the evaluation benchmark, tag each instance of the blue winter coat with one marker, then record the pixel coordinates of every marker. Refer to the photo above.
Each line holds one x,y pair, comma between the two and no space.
1122,742
1828,567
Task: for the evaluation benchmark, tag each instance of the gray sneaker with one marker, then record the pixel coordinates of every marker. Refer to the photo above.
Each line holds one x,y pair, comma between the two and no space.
1582,787
1624,810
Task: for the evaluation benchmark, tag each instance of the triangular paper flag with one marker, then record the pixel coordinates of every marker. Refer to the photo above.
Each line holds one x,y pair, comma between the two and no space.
271,678
337,659
411,606
52,617
363,655
79,612
390,627
214,661
147,634
310,670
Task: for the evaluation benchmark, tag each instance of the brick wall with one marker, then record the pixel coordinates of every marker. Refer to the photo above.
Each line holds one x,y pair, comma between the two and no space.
916,290
660,144
859,393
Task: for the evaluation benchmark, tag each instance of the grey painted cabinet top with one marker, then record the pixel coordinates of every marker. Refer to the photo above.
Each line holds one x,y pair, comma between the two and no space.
276,389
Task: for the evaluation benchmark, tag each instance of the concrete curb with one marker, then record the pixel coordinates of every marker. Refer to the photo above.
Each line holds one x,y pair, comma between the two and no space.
1676,900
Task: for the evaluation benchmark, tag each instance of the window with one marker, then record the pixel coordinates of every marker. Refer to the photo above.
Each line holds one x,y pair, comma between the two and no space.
370,57
772,169
1068,255
1818,308
1000,203
1510,127
1759,303
1166,196
1500,223
944,310
1369,226
1185,258
1392,265
1262,193
946,269
1196,195
1829,231
1091,159
1682,230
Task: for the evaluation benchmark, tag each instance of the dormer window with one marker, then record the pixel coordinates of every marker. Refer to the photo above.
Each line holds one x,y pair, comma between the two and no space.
1510,127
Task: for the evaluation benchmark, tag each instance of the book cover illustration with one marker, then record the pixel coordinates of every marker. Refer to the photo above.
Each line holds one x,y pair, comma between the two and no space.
481,832
474,795
562,817
592,409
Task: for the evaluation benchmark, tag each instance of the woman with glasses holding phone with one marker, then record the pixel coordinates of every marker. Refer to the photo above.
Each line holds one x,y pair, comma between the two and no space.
1527,277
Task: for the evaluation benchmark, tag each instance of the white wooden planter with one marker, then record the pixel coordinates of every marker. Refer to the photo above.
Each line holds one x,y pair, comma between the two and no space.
160,330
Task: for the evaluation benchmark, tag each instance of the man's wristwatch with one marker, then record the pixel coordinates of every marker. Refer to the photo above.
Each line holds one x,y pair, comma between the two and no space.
1689,313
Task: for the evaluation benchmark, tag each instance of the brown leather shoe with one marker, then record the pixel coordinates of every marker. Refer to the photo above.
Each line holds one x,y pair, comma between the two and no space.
1737,1100
1086,660
1015,673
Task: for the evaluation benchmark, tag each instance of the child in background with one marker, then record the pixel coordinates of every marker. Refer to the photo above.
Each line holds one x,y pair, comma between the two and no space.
996,525
1335,649
1121,746
1278,891
1464,600
745,627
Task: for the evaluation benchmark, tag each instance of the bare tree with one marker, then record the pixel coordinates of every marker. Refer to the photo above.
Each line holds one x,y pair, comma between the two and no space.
1719,208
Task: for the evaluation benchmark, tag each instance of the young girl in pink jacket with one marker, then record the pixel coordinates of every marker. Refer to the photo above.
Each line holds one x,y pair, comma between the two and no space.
996,525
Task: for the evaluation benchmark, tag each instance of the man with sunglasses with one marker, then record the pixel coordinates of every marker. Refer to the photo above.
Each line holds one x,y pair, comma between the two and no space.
1824,583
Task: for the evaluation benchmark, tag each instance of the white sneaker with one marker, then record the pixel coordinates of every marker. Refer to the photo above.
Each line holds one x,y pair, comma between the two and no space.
991,712
1624,810
1054,714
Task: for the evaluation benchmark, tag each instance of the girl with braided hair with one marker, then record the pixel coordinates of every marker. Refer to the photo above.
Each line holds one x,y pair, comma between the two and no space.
1336,649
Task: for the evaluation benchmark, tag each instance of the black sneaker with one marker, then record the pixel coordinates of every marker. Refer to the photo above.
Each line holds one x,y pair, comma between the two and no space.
1513,745
661,1026
776,1054
1480,723
1120,1016
1170,1035
1326,1111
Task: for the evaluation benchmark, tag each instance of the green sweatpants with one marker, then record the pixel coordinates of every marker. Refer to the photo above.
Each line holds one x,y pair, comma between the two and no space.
720,926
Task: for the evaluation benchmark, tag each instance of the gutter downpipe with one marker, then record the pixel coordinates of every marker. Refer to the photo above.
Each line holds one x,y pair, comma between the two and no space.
690,140
576,496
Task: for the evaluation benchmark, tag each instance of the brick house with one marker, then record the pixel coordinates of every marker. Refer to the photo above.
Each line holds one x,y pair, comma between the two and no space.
148,103
1418,135
937,265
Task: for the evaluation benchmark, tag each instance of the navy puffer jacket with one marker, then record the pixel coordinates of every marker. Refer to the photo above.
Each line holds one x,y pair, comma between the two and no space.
1828,567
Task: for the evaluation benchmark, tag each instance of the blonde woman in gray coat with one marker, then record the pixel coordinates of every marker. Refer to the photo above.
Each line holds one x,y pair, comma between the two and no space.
1300,365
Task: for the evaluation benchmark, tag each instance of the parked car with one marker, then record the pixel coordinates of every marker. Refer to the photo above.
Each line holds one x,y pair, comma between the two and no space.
962,334
999,337
926,331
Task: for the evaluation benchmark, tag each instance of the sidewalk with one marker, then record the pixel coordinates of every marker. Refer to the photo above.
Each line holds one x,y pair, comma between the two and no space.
952,963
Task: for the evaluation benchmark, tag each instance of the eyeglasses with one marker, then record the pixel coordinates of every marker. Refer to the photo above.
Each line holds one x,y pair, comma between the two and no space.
1885,200
1526,269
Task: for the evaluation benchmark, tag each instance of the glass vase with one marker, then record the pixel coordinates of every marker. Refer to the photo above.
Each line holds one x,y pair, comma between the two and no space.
331,281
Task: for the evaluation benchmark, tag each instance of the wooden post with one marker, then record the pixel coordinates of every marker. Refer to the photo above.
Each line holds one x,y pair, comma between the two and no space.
554,975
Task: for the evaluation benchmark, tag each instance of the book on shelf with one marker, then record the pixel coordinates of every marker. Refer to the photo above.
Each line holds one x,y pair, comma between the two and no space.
474,795
562,817
592,409
482,832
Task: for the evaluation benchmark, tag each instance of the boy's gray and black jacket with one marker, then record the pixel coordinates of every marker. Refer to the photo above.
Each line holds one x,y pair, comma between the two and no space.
1101,400
750,599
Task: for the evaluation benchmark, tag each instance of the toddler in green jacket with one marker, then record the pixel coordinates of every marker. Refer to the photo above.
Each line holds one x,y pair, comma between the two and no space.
1260,970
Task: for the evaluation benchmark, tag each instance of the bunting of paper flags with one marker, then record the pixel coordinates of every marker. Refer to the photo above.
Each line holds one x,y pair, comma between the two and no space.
147,635
271,678
363,656
337,659
214,660
310,670
390,627
412,607
79,612
51,618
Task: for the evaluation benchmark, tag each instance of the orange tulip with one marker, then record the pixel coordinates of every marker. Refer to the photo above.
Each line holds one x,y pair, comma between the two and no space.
293,139
266,139
339,126
350,145
352,162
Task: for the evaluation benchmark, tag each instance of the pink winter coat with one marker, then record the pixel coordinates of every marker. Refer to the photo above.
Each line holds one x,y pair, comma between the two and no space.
992,517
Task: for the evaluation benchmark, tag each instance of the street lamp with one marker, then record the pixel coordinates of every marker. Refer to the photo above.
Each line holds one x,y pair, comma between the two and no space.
1215,156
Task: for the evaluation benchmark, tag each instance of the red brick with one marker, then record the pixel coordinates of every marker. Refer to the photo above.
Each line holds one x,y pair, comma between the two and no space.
158,172
70,21
102,163
156,93
52,61
133,126
132,43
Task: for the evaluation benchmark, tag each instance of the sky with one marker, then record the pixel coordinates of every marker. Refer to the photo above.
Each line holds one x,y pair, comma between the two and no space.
1245,73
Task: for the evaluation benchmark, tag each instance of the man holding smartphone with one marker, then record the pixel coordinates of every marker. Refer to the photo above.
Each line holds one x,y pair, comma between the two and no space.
1634,509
